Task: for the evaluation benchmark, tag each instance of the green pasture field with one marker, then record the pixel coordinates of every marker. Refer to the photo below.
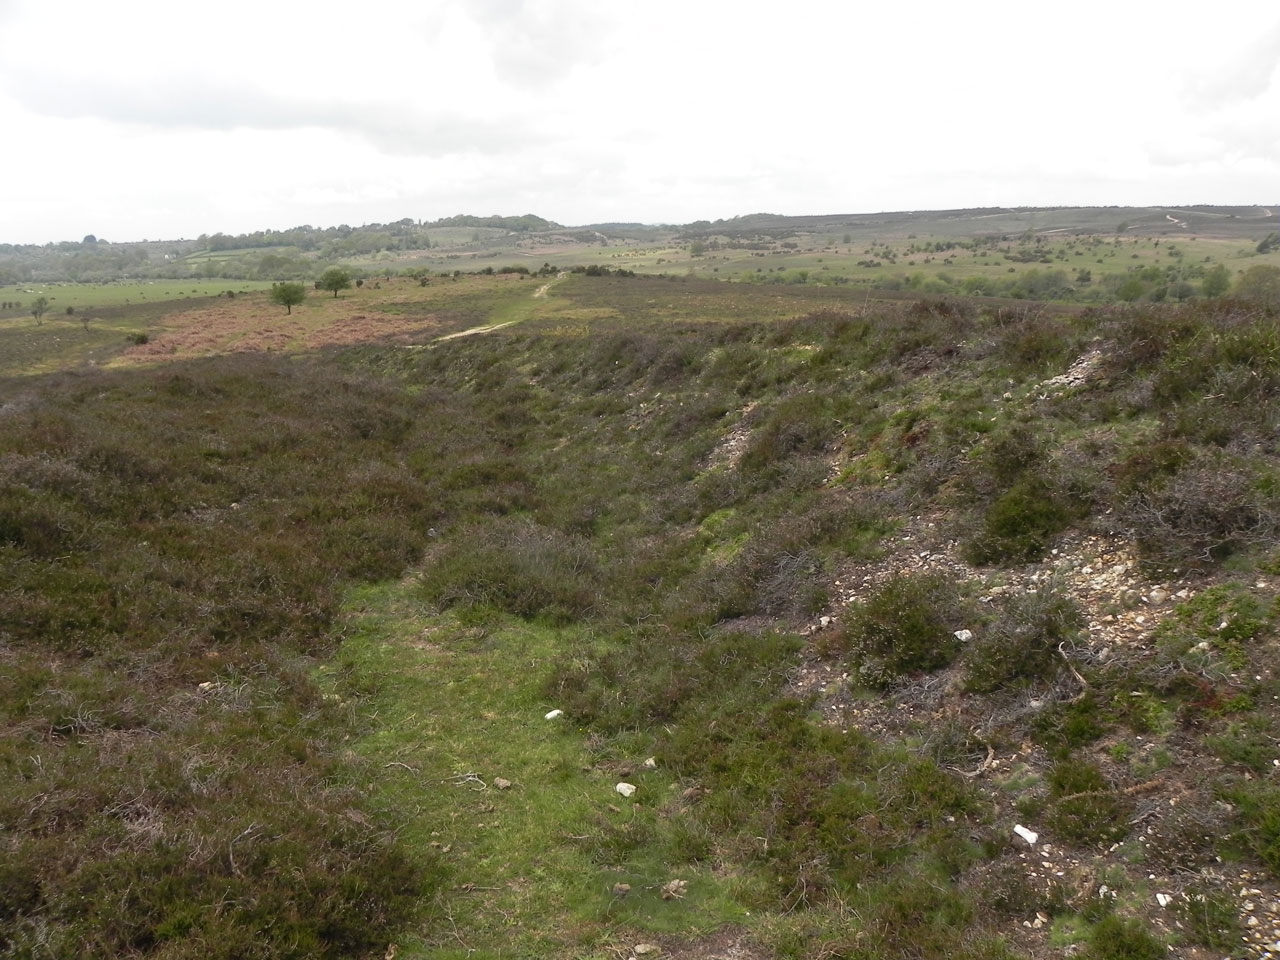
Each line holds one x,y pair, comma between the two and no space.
444,306
57,344
222,256
1236,222
95,296
690,300
457,304
63,342
457,236
572,304
809,271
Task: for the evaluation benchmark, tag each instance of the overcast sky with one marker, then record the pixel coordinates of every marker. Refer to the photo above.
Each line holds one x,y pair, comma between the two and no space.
161,119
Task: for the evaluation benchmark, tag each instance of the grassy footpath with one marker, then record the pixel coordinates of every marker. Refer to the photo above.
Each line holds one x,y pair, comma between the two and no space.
451,708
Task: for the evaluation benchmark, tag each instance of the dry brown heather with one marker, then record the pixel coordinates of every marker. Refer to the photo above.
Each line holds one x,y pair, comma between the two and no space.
396,310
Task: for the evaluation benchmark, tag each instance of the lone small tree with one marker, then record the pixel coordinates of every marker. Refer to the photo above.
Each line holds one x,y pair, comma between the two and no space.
335,279
39,307
287,294
1216,282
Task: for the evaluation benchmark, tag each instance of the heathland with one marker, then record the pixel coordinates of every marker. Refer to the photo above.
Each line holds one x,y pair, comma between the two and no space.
1079,254
595,613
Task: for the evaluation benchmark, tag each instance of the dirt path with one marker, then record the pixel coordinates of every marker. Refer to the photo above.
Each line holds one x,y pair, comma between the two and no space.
540,293
487,328
542,290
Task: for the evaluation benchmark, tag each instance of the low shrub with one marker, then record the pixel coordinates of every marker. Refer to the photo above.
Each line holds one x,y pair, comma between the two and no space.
781,568
1021,645
1083,808
906,626
1141,337
1021,524
1257,828
1250,743
1004,457
515,565
921,915
626,681
1188,835
1033,342
1205,512
1210,918
1119,938
171,561
838,810
1010,895
174,546
1227,613
1150,465
799,425
1205,364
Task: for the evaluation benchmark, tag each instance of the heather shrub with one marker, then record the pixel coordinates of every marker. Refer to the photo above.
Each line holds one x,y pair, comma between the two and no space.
1083,808
515,565
1121,938
1021,646
1205,511
799,425
906,626
170,557
1021,523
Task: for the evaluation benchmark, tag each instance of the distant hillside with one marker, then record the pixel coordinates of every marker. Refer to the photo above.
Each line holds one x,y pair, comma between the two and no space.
816,244
518,224
1233,222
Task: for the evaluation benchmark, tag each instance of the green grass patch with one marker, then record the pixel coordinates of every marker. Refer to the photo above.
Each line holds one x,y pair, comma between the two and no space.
452,708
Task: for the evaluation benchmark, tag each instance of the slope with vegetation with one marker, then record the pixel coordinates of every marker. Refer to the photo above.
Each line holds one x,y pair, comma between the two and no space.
347,653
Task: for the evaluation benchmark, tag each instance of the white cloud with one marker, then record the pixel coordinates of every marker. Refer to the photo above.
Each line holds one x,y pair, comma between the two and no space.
149,118
1244,72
